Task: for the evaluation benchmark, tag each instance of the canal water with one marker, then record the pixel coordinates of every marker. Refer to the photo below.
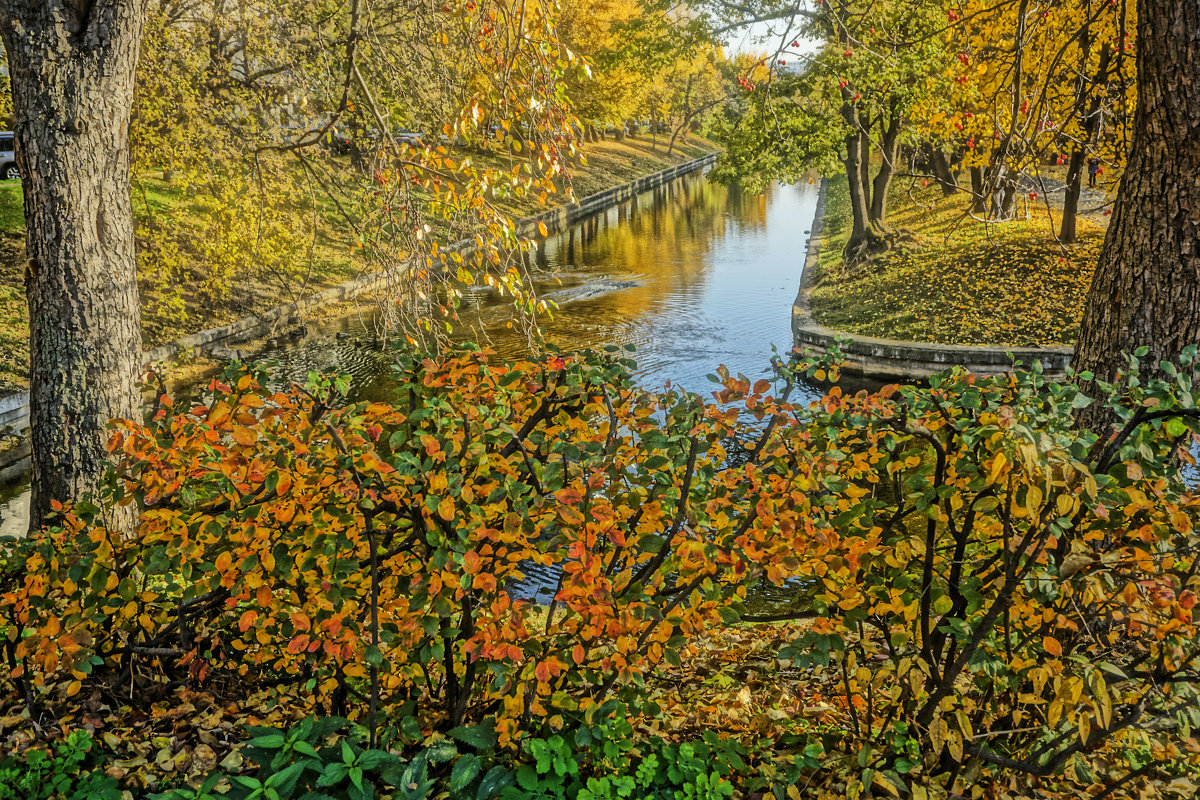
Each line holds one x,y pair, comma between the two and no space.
693,275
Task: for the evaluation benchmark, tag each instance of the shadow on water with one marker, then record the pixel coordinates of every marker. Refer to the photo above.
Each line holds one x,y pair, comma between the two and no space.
693,275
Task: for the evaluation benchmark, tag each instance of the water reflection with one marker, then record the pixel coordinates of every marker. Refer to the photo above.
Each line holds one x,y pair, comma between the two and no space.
693,275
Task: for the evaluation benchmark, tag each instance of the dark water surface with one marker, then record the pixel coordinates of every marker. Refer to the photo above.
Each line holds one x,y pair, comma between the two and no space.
693,275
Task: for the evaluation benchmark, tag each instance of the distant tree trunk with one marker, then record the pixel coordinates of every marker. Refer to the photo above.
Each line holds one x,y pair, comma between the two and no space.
864,161
1091,127
979,200
889,154
1008,208
866,239
72,69
1069,231
1146,289
941,170
674,136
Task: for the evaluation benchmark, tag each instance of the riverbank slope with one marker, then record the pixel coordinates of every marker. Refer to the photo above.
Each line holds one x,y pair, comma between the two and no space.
955,280
333,259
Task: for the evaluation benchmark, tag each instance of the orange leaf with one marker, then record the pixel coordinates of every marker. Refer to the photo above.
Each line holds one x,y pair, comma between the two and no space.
471,562
224,561
298,643
542,229
446,509
577,654
569,496
542,671
1052,646
244,436
247,620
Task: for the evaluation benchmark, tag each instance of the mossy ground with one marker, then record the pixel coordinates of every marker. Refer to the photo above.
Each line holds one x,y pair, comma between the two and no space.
956,280
609,163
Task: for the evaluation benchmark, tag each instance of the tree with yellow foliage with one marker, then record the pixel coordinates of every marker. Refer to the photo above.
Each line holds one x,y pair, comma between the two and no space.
1029,84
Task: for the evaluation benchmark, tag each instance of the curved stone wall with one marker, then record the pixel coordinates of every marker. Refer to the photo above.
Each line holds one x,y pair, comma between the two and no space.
895,360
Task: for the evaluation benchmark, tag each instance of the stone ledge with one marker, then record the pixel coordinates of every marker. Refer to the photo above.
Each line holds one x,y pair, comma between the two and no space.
897,360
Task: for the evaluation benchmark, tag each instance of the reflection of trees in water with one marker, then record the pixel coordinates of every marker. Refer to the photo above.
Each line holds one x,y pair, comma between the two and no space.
657,228
750,208
665,240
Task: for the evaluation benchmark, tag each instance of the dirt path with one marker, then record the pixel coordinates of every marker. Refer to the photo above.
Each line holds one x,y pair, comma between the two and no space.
1092,204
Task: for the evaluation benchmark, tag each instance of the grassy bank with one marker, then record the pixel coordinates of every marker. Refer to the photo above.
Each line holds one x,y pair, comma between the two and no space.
330,259
955,280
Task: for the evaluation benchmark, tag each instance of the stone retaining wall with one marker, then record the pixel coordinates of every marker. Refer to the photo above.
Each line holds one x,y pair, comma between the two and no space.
894,360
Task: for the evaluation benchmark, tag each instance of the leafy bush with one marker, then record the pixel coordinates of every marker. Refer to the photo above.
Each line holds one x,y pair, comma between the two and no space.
598,760
315,760
70,770
993,596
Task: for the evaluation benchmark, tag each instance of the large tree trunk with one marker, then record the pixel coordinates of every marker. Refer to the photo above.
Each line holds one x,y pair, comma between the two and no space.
1146,289
72,67
864,161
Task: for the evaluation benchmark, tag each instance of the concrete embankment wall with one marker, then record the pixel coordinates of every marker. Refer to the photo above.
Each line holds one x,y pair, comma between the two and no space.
895,360
14,409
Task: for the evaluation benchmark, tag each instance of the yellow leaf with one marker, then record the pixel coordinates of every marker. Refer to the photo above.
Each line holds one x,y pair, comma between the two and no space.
73,688
244,436
542,229
998,465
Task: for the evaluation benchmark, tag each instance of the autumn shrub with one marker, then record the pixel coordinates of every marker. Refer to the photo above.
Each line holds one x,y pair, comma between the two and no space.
989,596
381,556
1002,599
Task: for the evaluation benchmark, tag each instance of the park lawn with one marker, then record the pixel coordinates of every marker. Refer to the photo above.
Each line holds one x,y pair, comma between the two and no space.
333,259
956,280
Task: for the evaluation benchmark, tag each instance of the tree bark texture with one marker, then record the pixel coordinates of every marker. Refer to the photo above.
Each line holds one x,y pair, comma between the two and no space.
1146,289
72,66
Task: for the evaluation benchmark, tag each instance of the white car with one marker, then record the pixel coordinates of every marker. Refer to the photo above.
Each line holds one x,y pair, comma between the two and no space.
8,159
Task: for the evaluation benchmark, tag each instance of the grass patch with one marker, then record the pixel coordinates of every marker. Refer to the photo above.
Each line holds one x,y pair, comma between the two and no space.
957,281
610,163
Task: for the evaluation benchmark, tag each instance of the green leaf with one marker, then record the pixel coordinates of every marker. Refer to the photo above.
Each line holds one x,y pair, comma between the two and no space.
481,736
271,740
441,752
496,780
465,770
